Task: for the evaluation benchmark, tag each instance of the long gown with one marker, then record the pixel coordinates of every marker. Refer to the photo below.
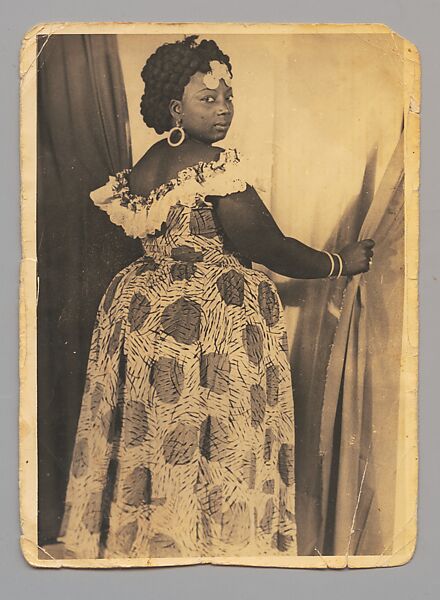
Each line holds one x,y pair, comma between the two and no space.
185,441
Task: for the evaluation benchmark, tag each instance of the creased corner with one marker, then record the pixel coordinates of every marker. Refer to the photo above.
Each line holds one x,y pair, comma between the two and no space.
31,552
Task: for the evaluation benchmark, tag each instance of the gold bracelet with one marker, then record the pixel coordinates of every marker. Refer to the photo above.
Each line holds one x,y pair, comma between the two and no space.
341,265
332,263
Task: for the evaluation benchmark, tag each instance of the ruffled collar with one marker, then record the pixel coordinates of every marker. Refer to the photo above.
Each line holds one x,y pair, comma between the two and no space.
144,215
199,173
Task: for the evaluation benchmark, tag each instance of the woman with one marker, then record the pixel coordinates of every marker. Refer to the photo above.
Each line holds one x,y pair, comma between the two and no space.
185,441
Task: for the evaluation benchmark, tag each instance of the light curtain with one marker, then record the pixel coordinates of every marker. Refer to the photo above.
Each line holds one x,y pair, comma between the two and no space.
83,136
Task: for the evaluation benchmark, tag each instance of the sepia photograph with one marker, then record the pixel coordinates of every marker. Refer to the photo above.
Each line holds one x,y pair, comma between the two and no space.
218,316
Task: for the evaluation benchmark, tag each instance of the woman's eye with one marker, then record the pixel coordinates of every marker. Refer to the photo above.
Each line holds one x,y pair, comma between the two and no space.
230,98
208,99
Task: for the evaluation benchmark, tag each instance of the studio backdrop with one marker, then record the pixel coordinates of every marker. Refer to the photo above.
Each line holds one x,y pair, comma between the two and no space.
318,119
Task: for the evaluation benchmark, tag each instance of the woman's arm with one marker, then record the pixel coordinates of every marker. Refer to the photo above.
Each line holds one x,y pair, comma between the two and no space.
252,231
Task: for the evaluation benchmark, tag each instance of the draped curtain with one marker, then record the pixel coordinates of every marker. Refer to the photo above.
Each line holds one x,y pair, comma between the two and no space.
83,137
348,446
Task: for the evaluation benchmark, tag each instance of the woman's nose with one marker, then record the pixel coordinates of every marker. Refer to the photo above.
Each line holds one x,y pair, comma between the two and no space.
223,108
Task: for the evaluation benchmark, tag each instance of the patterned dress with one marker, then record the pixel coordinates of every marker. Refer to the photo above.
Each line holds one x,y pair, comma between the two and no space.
185,442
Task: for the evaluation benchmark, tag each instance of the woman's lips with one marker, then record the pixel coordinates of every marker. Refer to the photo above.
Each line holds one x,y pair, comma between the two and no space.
221,126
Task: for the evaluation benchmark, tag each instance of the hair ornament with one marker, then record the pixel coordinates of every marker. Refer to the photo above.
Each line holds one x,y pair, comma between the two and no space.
217,71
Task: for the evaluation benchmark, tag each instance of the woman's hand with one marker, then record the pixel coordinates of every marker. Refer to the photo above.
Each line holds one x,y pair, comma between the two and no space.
357,257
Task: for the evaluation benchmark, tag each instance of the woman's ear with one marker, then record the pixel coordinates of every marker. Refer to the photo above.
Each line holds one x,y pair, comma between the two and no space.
175,107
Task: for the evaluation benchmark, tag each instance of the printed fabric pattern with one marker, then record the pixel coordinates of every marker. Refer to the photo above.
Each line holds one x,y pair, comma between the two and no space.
185,441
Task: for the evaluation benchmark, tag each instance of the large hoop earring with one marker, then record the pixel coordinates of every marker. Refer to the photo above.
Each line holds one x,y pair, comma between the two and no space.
181,132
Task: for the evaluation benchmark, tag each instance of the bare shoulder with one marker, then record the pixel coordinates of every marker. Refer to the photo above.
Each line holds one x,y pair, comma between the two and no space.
147,171
152,156
162,162
183,156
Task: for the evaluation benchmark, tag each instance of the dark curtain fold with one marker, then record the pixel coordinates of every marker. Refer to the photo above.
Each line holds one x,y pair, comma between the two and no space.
83,137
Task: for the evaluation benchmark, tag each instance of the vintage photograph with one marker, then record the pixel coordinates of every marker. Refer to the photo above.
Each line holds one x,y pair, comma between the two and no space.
218,344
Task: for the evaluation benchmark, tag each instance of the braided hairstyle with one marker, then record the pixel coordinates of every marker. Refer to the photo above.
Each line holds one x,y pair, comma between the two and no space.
168,71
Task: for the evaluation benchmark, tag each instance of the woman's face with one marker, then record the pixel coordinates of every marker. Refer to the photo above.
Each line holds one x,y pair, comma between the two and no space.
205,113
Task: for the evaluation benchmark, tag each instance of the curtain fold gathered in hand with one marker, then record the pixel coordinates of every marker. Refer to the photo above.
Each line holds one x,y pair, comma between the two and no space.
358,432
83,136
347,407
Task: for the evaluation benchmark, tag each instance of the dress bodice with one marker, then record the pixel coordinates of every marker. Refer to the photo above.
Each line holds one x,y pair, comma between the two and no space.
176,220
